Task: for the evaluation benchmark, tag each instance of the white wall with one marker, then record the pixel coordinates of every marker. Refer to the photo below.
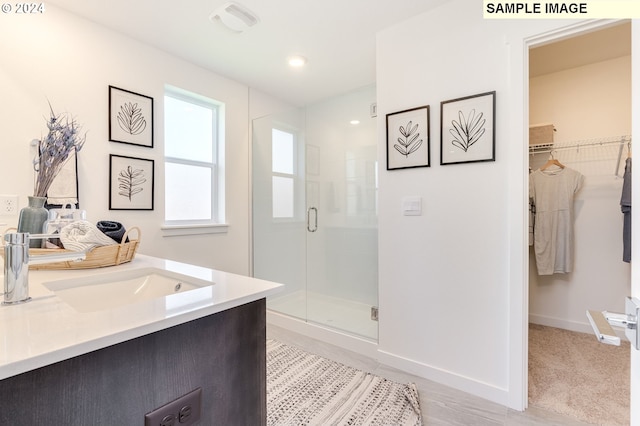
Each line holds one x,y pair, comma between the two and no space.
585,103
452,280
71,62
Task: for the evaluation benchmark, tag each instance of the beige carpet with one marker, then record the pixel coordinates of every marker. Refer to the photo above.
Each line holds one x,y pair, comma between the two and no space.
575,375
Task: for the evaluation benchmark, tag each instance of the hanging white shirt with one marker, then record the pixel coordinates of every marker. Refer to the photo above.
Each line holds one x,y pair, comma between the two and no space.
553,191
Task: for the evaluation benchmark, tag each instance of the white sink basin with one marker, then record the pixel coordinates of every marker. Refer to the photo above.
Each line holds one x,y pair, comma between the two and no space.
112,290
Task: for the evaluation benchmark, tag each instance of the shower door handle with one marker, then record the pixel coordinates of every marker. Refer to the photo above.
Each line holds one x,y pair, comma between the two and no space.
315,220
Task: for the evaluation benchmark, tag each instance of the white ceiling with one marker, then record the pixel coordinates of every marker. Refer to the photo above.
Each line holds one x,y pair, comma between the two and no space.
595,46
336,36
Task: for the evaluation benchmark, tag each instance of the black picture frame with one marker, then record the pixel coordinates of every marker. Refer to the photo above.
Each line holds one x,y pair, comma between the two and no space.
130,117
408,140
64,188
131,183
467,129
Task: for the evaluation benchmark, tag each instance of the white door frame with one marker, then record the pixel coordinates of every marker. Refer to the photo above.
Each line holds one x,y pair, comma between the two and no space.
635,232
519,333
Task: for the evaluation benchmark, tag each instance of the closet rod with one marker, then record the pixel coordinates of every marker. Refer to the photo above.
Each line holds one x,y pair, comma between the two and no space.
549,147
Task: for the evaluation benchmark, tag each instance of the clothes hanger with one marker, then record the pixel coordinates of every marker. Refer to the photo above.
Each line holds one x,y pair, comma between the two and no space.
552,162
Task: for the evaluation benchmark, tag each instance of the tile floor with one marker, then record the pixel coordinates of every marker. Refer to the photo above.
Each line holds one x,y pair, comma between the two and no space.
440,404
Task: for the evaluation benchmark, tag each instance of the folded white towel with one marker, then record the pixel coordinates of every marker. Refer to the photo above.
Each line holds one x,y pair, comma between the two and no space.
83,236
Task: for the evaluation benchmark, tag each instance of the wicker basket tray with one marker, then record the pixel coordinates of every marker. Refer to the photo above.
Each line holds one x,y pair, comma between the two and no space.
99,257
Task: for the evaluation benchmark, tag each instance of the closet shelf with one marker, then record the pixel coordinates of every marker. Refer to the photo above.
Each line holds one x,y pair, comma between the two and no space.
577,145
609,157
541,147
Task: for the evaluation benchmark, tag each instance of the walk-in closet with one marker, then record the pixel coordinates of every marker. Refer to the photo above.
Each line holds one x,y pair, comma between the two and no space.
580,124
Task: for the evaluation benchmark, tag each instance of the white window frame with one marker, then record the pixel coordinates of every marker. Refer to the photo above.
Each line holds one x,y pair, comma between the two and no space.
295,176
216,224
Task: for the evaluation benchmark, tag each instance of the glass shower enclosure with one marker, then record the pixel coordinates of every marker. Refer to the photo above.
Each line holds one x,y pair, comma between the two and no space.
314,176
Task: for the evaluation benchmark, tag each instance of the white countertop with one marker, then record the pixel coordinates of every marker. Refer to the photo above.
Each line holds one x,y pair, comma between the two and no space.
46,330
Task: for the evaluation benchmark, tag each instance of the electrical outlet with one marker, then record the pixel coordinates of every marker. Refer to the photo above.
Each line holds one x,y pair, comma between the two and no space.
8,205
184,411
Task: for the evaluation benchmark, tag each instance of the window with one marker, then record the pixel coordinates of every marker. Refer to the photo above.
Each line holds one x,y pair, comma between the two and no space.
282,180
192,147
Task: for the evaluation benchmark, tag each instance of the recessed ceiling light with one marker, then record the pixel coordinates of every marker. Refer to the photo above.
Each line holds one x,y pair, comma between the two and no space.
297,61
354,122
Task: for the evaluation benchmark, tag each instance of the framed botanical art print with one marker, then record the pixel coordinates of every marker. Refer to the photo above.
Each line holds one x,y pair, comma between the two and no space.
467,129
130,117
130,183
408,142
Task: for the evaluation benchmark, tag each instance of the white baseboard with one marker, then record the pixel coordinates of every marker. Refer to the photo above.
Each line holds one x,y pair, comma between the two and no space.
580,327
465,384
370,349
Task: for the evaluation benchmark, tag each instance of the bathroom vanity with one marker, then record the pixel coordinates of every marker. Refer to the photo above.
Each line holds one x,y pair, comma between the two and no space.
121,354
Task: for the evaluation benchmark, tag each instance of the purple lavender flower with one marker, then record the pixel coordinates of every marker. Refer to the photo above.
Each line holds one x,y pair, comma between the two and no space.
54,150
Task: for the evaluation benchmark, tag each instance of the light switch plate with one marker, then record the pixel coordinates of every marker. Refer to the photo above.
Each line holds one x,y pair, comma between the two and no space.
412,206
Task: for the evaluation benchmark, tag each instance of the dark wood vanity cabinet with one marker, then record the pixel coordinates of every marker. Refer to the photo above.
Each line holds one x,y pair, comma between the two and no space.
224,354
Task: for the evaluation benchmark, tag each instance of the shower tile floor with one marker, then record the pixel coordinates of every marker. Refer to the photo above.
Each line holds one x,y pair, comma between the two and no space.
345,315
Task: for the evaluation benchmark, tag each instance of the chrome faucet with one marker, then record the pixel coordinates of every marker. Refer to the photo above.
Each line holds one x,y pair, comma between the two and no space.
17,261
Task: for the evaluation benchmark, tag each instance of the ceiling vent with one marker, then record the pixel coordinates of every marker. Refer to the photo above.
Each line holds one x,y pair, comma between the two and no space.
235,17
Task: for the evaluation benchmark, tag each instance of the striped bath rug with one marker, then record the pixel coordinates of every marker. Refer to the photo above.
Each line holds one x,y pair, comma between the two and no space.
307,389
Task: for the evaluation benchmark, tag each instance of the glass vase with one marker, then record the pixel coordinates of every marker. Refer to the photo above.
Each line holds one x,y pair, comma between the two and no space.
32,219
